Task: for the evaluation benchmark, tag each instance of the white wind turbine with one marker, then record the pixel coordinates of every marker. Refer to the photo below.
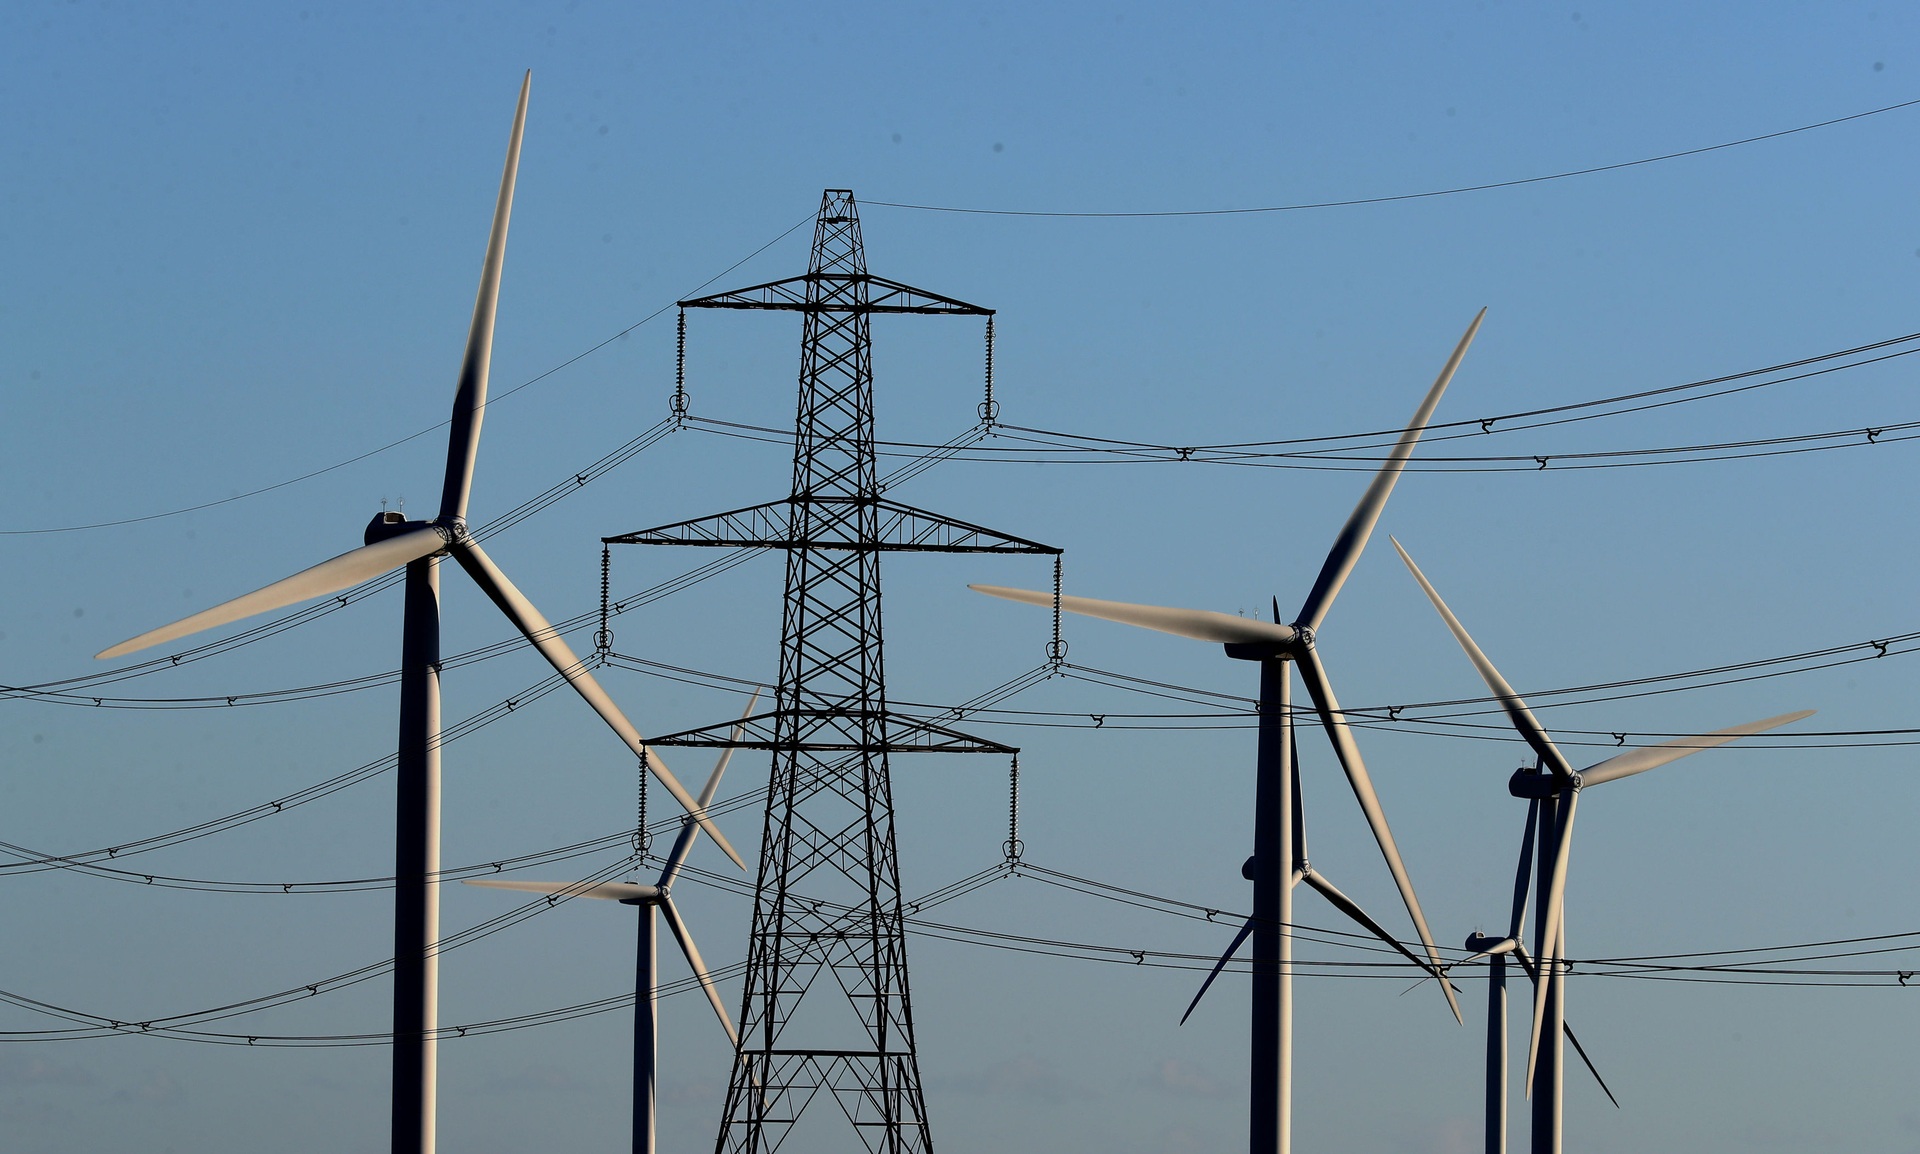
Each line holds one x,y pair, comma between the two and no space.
1553,796
391,542
1495,951
1279,855
646,1004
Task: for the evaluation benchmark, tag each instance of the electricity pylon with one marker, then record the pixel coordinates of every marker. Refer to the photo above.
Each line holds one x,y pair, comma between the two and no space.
827,918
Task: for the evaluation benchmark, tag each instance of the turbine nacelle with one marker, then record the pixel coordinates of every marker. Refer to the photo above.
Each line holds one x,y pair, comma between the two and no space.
1277,650
1486,947
1530,785
389,523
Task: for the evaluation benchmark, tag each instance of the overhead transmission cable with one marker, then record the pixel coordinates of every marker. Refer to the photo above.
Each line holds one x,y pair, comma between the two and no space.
1772,971
1391,963
178,1026
1351,451
495,398
923,456
564,627
538,503
289,801
34,861
1456,190
526,509
989,212
1230,711
96,1023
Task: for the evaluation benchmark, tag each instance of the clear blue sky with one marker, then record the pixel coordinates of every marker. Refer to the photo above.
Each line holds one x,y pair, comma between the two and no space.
238,243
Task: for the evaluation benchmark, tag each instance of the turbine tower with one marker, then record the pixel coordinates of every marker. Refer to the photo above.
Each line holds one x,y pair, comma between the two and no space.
652,900
1551,800
391,542
1279,860
1496,951
827,921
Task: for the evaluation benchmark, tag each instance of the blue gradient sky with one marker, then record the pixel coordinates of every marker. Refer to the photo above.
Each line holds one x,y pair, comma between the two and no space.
238,243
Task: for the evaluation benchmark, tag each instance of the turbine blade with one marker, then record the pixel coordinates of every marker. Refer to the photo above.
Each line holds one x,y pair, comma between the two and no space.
1526,963
1299,814
726,755
1653,756
1351,908
1523,876
347,569
1517,711
1199,624
1353,535
1553,904
1591,1068
610,891
547,640
470,398
689,830
692,952
1348,752
1239,939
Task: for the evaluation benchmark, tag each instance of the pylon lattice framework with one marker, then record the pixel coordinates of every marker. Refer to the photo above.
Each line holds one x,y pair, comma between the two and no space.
827,901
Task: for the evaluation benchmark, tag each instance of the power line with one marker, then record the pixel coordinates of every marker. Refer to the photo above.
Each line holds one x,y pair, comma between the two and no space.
987,707
63,691
536,379
1454,191
89,1024
360,592
1757,972
924,456
1348,452
33,861
1696,454
564,627
299,797
1479,426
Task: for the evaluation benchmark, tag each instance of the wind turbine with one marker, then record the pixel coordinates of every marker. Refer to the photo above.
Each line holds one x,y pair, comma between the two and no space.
392,541
656,897
1553,797
1279,853
1495,951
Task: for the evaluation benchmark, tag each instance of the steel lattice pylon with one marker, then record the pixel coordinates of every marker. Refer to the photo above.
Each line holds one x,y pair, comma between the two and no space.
827,905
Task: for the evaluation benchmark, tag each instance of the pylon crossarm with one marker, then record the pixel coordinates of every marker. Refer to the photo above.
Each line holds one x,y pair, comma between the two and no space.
760,526
764,731
898,528
790,294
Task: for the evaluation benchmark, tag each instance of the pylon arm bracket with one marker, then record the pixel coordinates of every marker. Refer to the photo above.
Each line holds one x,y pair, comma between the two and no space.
837,293
902,529
827,731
